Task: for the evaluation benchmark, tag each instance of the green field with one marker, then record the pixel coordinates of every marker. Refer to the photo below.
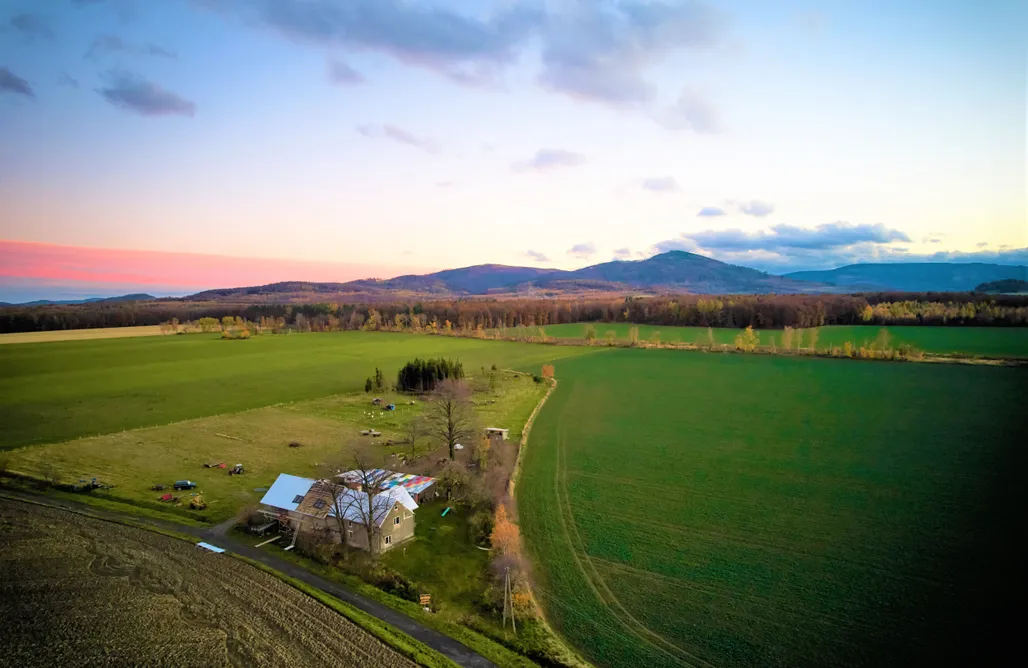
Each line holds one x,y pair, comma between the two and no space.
734,510
978,341
65,390
163,408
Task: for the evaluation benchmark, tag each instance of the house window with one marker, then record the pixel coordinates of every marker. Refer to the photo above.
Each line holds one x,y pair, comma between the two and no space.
298,498
319,504
396,521
389,540
349,533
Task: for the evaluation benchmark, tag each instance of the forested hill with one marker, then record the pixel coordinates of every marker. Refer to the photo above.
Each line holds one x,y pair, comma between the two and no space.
674,271
913,276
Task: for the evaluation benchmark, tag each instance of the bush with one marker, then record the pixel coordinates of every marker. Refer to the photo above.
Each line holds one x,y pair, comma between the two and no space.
480,526
537,379
394,583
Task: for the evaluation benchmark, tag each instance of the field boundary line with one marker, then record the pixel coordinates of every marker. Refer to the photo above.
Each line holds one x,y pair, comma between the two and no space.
525,431
512,490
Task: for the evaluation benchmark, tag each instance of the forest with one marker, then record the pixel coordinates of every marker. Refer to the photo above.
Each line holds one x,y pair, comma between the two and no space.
731,311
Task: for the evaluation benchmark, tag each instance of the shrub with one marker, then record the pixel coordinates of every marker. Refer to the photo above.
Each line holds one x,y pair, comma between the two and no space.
480,525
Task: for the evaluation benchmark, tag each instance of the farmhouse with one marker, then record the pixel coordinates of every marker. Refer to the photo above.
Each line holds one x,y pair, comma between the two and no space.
307,505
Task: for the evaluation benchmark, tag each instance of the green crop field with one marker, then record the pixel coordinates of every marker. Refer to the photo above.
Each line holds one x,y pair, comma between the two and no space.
979,341
688,508
60,391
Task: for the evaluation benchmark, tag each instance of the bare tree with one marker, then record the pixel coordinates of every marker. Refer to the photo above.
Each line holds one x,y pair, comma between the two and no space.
50,473
413,432
450,417
354,494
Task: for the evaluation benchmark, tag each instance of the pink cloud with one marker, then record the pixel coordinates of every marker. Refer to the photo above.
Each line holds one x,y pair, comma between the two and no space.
97,266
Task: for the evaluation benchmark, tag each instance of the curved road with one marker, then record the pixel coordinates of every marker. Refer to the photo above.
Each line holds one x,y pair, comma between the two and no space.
218,535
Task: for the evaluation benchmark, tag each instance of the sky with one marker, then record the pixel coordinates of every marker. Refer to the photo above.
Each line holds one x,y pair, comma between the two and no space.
174,145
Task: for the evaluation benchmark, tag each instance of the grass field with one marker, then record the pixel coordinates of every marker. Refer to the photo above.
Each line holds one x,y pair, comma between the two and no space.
979,341
134,460
81,334
61,391
733,510
79,591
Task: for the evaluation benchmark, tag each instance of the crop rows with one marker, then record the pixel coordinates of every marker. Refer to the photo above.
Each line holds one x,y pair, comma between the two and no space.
114,595
696,509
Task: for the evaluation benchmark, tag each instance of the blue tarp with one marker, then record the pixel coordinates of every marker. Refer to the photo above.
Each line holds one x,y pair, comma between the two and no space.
212,548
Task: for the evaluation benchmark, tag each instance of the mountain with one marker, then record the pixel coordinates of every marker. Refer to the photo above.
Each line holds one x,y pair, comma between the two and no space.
91,300
674,270
476,280
682,271
1006,286
912,276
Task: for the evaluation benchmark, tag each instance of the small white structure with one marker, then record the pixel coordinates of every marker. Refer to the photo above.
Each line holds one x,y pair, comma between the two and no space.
497,431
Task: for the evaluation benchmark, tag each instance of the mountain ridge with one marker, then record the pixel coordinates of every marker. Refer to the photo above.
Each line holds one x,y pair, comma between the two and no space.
913,276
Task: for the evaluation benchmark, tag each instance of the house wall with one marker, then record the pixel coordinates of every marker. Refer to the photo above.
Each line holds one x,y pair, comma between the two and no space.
357,535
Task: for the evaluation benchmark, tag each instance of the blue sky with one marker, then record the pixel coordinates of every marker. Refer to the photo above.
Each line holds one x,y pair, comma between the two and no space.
420,134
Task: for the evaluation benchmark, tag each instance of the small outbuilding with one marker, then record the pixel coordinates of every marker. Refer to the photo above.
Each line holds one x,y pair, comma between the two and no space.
497,432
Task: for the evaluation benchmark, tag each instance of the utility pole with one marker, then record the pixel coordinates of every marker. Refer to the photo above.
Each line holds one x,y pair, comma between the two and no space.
508,600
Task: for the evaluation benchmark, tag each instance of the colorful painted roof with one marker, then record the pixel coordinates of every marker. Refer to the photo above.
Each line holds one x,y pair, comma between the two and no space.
414,484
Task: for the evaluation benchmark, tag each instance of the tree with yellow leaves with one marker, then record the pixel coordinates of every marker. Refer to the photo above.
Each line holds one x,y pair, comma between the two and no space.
506,536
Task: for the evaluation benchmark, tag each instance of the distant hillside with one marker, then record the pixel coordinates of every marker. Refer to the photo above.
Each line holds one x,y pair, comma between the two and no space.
1007,286
683,271
912,276
476,280
675,270
91,300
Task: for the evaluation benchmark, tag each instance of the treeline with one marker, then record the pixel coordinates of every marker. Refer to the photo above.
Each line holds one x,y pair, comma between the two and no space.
731,311
421,375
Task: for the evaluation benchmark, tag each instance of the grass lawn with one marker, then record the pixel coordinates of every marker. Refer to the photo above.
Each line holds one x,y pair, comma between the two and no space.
62,391
134,460
981,341
736,510
443,558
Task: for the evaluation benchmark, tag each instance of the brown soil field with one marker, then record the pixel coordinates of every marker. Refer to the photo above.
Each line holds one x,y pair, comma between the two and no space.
81,334
80,591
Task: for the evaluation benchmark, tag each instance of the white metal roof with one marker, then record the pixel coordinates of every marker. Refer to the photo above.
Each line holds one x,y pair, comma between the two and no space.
286,488
355,504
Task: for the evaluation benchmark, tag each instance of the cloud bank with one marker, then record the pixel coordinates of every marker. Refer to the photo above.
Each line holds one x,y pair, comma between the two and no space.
12,83
757,208
342,74
664,184
594,51
133,93
583,251
105,45
536,256
397,134
31,26
549,158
